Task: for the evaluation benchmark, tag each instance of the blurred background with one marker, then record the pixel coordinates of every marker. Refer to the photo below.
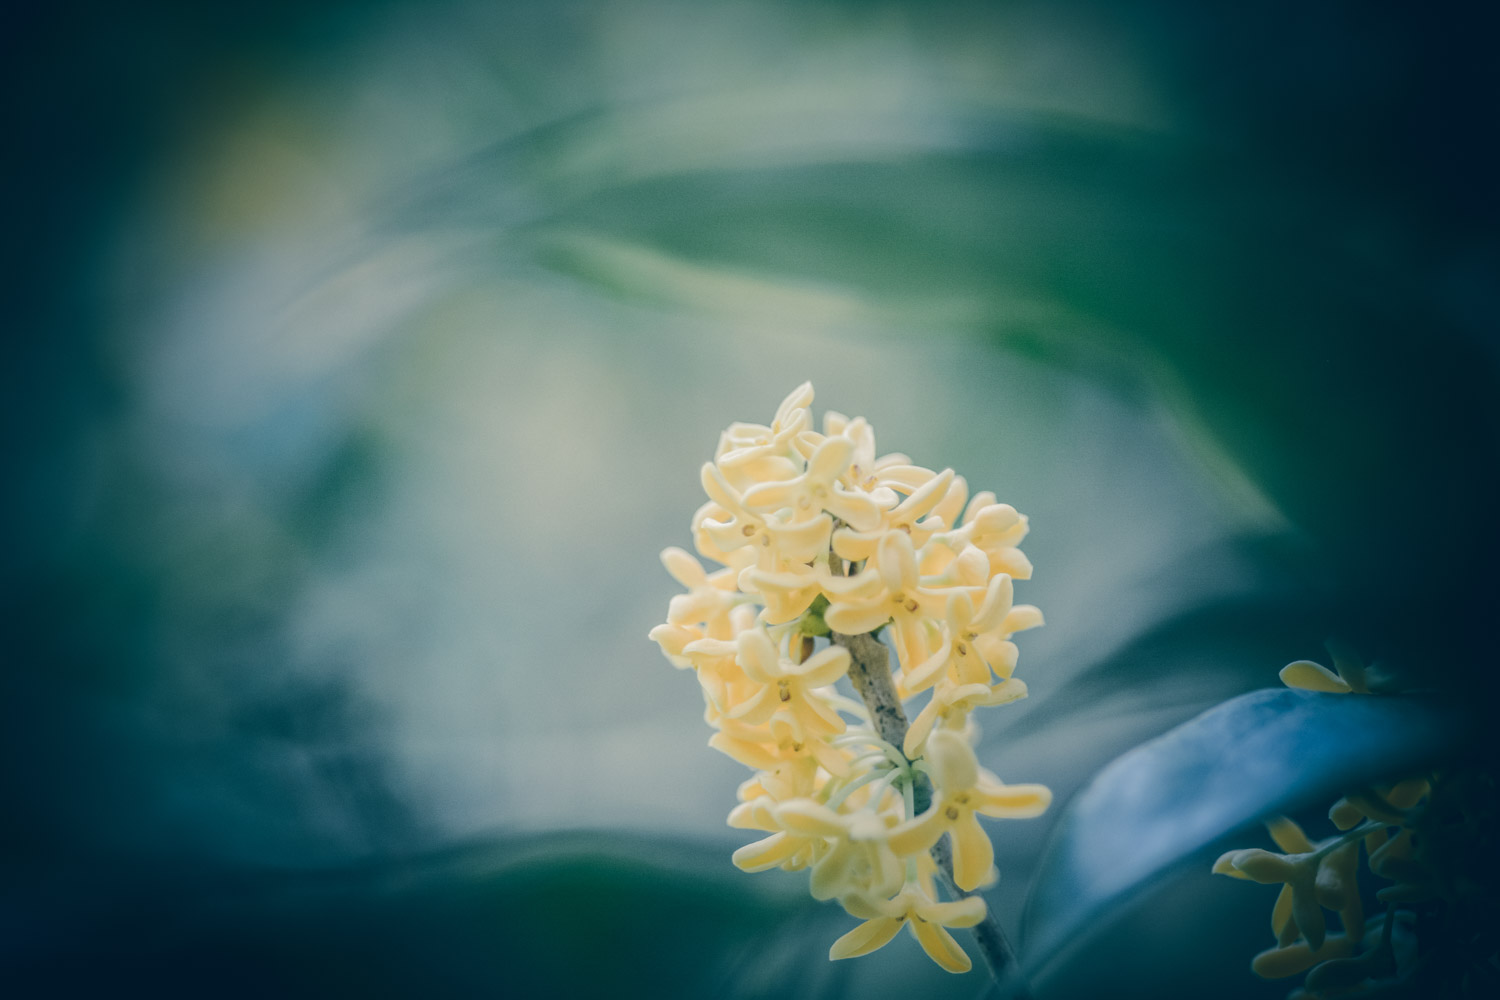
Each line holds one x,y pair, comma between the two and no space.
361,358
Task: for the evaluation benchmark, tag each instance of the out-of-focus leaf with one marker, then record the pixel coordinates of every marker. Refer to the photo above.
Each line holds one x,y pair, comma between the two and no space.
559,915
1168,799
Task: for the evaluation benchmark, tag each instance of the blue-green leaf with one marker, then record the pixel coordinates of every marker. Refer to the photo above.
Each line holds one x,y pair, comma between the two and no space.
1169,799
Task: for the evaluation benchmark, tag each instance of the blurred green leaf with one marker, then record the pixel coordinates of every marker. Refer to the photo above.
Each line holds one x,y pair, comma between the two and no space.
1169,799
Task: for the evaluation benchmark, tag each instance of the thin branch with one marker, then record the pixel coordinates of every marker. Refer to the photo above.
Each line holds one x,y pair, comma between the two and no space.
870,672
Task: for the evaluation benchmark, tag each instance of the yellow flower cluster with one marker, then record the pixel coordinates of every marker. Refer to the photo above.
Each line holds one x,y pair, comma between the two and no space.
819,537
1324,875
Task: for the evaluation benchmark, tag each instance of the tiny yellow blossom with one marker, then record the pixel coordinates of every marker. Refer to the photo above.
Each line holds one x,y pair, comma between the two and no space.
858,859
916,910
963,788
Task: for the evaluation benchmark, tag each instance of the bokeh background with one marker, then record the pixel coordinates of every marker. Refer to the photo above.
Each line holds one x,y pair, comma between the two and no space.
361,358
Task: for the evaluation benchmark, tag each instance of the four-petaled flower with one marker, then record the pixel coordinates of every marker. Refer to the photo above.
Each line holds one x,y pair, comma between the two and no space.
962,789
913,908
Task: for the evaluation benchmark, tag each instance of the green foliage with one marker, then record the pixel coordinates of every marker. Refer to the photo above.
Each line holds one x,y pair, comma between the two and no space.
1172,799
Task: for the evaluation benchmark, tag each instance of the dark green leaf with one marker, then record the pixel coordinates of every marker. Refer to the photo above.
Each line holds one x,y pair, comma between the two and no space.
1167,800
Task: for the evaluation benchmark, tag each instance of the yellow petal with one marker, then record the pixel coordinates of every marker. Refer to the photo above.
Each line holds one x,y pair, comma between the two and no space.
904,477
856,619
1005,692
951,506
960,611
773,496
1225,866
801,541
761,466
977,505
1000,654
1021,618
767,853
830,876
757,708
855,546
1263,866
898,562
920,727
1011,561
1408,793
924,674
973,854
941,947
809,818
964,912
855,509
993,518
830,460
867,937
799,398
1310,676
1288,836
1345,814
923,499
817,715
917,834
861,588
954,766
824,668
673,640
1282,911
718,488
752,755
757,655
998,600
727,537
1013,801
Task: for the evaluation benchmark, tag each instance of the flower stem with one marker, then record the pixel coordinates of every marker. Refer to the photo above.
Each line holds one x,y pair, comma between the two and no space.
870,672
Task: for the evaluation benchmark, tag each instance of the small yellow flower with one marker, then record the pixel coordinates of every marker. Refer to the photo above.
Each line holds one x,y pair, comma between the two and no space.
962,789
915,909
756,453
993,528
788,689
767,747
1297,872
977,643
867,472
858,860
744,529
818,490
710,597
910,517
903,599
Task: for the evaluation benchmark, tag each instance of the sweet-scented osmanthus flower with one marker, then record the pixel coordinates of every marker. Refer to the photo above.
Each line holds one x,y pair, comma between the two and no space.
818,537
1324,875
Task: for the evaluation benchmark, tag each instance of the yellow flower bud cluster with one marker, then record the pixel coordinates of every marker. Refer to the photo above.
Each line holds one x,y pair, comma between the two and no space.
1324,875
818,536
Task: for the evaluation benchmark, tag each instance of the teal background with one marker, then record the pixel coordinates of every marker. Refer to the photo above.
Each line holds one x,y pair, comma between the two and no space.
361,359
